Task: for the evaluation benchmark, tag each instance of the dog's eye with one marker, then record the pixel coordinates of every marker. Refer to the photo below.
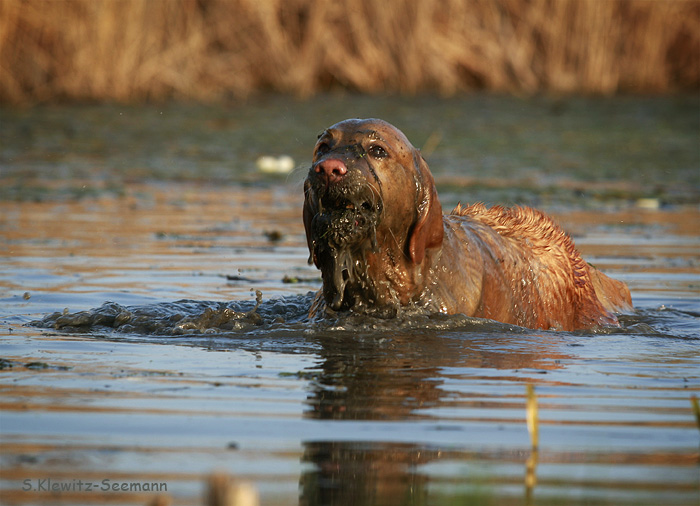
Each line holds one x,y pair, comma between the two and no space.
322,149
376,151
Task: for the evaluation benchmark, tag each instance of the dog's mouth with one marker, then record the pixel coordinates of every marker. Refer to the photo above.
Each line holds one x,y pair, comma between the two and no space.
346,223
342,231
347,212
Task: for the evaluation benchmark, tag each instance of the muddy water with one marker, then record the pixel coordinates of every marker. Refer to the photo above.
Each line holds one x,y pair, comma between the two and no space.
153,329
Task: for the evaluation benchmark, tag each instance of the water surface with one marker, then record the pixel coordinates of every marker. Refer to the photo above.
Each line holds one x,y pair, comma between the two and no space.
168,224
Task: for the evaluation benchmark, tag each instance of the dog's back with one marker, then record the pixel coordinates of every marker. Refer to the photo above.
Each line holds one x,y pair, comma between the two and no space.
566,288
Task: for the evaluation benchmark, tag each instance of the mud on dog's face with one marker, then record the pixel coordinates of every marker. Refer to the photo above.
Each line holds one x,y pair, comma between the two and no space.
367,183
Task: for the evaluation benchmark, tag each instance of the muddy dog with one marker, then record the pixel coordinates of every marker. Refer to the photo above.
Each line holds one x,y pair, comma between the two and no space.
375,228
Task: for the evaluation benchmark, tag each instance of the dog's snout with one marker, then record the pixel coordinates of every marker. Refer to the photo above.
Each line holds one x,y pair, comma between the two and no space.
333,169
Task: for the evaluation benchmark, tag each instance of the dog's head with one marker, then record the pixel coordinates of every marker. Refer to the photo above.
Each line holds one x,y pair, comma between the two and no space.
368,190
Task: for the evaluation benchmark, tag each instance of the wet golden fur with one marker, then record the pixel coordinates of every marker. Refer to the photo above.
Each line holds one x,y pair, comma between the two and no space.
513,265
579,294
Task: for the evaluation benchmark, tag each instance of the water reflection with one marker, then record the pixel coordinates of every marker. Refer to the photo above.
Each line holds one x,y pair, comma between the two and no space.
394,378
402,378
348,473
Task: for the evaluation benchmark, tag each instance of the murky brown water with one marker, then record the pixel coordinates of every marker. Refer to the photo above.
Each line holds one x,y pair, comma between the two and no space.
416,411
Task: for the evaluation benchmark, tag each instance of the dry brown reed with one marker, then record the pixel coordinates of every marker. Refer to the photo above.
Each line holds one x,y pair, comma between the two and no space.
128,50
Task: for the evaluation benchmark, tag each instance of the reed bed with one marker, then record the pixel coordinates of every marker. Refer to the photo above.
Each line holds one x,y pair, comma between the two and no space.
135,50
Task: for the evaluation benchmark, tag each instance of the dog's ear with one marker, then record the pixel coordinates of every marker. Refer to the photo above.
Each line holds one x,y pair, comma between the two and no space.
308,215
428,231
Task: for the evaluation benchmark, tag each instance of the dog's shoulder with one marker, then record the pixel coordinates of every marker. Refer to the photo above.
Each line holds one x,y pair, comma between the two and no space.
518,223
537,235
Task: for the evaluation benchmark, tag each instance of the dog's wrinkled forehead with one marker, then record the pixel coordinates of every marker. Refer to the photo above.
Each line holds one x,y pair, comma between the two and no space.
352,131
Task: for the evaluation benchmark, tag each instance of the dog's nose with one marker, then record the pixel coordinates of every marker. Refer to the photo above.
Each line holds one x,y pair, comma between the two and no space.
333,169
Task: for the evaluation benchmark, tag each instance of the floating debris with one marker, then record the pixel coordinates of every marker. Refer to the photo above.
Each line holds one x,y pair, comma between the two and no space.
274,235
275,165
299,279
650,204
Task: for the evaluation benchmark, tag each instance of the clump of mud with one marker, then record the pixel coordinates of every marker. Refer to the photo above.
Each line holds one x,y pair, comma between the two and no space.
261,318
184,317
340,238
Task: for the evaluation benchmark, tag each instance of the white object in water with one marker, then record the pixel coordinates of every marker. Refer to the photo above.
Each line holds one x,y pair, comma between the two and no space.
275,165
651,204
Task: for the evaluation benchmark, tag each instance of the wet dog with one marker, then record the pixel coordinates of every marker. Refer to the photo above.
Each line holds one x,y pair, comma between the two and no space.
375,228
